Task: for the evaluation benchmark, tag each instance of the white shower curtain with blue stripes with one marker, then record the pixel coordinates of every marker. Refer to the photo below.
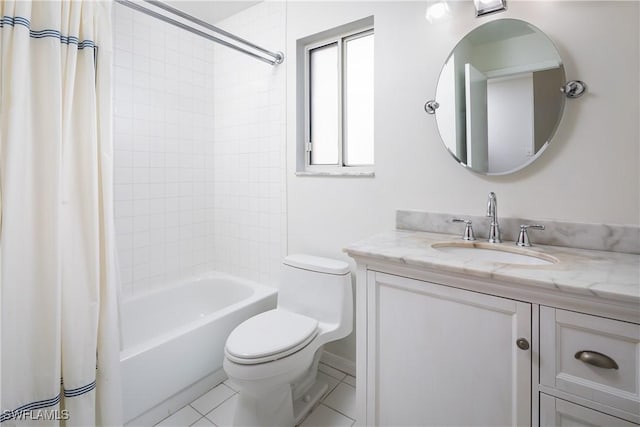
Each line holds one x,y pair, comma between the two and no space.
59,355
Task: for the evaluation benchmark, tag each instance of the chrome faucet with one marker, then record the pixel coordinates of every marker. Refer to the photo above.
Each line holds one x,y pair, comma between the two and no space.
492,211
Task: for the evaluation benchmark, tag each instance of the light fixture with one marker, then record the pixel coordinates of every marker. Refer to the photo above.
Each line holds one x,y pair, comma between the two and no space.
484,7
436,9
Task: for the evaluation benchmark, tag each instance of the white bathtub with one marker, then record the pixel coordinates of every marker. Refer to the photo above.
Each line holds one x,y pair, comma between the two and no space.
174,337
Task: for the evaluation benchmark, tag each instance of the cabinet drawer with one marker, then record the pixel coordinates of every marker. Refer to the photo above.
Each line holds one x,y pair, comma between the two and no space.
560,413
565,336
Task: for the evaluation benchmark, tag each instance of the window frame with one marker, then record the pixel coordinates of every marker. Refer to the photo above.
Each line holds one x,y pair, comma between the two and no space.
340,168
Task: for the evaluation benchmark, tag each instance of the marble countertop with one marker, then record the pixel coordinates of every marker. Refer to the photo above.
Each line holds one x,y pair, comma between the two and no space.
611,275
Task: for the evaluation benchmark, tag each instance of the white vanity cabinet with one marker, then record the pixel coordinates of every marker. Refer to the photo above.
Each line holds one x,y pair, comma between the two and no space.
437,355
454,338
439,347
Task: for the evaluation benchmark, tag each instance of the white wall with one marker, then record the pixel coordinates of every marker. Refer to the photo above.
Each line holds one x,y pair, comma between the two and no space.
590,172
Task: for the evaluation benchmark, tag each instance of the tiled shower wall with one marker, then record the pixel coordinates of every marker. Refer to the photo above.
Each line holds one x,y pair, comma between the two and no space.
198,157
249,149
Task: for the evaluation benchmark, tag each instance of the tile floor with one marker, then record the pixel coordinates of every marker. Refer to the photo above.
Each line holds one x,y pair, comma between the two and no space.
215,408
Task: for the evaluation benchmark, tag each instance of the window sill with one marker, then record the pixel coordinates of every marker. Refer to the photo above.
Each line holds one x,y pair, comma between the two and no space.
352,174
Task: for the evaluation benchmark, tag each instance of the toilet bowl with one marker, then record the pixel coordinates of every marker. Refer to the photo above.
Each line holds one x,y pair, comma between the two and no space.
272,358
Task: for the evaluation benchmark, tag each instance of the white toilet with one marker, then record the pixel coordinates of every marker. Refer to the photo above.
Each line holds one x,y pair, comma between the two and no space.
272,358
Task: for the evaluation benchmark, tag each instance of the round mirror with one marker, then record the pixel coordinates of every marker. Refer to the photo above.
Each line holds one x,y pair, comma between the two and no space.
499,97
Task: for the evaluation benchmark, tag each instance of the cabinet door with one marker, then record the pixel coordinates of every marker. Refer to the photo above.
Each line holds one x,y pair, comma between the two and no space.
560,413
441,356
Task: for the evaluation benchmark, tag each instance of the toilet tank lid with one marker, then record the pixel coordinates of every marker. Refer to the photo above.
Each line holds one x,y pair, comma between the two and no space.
319,264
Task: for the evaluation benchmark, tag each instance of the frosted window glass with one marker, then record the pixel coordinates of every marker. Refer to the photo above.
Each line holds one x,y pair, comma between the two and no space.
324,115
359,101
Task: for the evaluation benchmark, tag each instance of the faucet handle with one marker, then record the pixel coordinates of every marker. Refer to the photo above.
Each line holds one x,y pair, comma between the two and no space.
523,237
468,229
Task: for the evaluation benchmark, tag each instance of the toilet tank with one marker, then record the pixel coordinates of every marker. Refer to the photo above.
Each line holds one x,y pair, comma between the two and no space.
319,288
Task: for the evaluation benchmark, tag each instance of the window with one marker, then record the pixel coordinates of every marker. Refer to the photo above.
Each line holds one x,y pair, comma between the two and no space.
339,103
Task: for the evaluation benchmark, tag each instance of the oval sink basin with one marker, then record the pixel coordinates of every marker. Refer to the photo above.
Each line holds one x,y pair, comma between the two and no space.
490,253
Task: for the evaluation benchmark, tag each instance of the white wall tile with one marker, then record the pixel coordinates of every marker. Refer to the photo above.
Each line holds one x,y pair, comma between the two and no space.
197,182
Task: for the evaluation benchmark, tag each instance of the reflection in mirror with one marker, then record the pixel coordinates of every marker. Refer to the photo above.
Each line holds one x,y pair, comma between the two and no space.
499,96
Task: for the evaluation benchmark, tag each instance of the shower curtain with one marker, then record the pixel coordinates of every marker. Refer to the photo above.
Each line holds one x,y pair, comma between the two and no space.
59,355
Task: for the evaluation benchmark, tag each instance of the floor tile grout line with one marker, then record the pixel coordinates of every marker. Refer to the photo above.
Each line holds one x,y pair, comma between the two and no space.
195,409
334,409
204,415
180,409
328,392
343,381
192,407
219,405
194,423
347,384
334,388
323,400
335,369
225,383
333,376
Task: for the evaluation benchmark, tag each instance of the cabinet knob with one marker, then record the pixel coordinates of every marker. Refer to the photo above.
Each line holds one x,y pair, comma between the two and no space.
596,359
522,343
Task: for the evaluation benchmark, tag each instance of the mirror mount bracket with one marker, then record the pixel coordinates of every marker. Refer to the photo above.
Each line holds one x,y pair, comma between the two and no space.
574,89
431,106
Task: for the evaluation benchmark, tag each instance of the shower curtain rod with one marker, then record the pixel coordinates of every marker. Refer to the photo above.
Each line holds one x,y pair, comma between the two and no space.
278,57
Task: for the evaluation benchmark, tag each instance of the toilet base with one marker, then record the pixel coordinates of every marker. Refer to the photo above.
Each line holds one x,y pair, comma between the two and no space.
303,405
275,409
270,407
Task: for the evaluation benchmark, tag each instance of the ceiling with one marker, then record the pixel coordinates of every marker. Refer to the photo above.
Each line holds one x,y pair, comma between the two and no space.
212,11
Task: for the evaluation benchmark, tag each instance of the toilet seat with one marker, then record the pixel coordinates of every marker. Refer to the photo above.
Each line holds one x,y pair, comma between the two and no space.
270,336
